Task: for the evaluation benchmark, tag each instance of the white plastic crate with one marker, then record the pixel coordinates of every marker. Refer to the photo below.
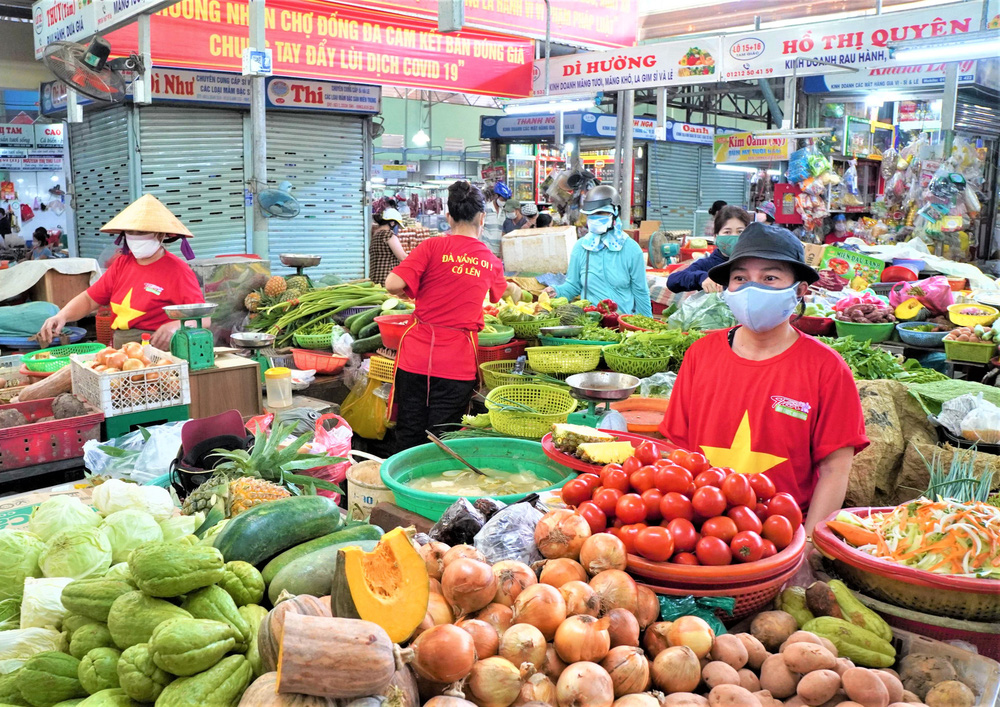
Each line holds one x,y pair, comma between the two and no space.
981,674
10,372
125,392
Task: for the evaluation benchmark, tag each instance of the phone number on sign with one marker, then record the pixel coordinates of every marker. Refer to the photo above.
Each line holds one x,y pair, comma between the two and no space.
747,73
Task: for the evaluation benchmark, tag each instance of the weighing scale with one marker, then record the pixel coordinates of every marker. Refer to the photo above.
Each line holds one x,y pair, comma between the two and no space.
300,262
194,344
596,388
258,348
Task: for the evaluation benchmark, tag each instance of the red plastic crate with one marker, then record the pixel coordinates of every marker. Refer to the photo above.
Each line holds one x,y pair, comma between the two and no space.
39,443
507,352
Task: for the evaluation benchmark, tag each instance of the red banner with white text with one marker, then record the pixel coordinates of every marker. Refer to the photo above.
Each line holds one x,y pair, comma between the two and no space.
316,39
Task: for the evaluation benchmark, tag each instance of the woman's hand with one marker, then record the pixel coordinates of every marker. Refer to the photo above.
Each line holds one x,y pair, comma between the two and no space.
710,285
51,328
551,292
161,337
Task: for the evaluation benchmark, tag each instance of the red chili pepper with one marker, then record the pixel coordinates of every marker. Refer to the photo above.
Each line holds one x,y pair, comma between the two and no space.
591,308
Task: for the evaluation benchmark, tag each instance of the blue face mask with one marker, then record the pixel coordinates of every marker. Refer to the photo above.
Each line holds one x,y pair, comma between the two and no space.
600,223
761,308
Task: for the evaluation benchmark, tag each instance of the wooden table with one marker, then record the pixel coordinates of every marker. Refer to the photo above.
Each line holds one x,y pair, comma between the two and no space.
232,384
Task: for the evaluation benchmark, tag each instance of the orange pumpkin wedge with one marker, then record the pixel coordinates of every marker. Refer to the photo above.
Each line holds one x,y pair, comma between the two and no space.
388,586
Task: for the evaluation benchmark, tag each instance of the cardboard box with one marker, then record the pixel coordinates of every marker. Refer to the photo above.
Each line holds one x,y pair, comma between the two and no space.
59,289
646,231
538,250
859,271
15,511
814,254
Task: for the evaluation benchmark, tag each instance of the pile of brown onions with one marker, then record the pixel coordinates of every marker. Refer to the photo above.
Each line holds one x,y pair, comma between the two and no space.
585,685
561,533
443,654
602,552
561,570
617,591
485,637
468,585
512,578
523,643
583,638
494,682
541,606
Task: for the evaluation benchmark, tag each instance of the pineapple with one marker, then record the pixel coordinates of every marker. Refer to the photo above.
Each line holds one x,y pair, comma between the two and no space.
567,438
298,282
252,301
247,479
290,296
605,452
275,286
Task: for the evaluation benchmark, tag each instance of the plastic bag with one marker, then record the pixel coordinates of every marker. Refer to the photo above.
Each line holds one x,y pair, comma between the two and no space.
510,535
334,441
364,410
141,455
703,607
954,411
982,424
702,311
658,385
459,524
934,293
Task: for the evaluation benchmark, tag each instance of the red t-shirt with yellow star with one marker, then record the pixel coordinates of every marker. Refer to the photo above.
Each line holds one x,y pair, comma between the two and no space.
138,293
783,415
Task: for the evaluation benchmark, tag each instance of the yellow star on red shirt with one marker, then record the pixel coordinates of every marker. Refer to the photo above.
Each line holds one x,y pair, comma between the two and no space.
124,313
740,455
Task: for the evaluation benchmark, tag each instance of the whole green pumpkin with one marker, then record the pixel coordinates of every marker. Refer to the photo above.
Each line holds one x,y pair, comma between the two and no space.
49,677
133,617
99,670
139,676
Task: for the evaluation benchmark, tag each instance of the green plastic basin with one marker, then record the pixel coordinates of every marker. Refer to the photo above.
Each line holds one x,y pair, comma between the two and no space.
501,454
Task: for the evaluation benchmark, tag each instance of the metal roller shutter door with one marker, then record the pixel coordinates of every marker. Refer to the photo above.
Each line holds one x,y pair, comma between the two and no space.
192,161
673,184
99,154
323,157
715,184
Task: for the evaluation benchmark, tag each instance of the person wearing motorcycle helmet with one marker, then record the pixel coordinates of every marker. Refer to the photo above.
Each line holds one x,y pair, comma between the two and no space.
496,200
606,263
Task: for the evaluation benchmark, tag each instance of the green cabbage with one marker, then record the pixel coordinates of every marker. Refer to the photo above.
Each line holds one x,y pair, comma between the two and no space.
128,530
119,571
19,551
17,646
42,605
10,614
179,526
61,513
78,553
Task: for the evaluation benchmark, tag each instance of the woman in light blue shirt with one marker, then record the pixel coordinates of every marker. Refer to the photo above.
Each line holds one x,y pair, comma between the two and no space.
606,263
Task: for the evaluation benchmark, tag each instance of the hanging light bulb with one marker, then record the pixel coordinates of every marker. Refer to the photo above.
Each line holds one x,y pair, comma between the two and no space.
421,139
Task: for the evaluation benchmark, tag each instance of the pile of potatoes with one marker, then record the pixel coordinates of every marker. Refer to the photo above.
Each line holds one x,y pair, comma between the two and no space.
804,670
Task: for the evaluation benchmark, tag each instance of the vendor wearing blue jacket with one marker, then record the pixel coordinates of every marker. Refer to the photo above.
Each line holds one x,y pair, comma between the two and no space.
729,224
606,263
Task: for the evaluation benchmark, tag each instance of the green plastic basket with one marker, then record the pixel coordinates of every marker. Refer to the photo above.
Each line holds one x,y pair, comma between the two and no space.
557,341
638,367
529,330
503,335
59,356
875,333
563,359
511,455
552,405
970,351
315,342
498,373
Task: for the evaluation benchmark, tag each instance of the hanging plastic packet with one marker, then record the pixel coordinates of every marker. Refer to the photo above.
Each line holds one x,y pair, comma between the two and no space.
672,608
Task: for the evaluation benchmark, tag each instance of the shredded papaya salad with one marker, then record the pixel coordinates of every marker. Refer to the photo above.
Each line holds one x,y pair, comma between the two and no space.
944,537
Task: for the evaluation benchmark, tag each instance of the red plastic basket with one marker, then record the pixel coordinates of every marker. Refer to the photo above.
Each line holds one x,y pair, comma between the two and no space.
391,327
750,598
507,352
688,253
816,326
625,326
319,361
728,576
658,308
104,319
42,442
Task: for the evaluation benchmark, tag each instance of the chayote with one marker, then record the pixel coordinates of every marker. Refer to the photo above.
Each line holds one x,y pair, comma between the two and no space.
170,569
9,694
254,615
112,697
99,670
214,603
133,617
243,582
49,677
139,676
88,637
189,646
222,684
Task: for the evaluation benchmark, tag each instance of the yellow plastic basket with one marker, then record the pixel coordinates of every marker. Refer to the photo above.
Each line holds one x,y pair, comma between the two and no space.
529,329
382,369
564,359
638,367
551,405
498,373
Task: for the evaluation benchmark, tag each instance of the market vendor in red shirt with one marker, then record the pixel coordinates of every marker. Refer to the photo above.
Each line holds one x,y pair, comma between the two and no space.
449,278
141,281
762,396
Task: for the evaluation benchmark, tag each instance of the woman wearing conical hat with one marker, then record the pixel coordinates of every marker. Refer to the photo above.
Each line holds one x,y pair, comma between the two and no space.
139,283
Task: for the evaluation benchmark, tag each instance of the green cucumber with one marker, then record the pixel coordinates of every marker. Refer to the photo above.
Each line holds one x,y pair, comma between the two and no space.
362,531
363,320
372,343
390,304
257,535
369,330
313,573
349,322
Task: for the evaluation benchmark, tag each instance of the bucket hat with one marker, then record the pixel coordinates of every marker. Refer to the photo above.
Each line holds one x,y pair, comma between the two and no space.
770,242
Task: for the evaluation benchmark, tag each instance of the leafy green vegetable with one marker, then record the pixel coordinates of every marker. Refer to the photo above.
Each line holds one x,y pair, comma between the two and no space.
961,483
867,362
644,322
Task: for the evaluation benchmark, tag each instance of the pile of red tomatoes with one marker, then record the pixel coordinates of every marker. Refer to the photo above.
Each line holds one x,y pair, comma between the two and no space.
684,510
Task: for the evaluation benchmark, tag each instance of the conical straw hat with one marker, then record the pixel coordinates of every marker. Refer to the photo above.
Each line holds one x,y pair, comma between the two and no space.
149,215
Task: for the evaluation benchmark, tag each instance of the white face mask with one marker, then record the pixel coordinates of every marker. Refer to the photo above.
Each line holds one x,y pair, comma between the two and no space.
143,246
